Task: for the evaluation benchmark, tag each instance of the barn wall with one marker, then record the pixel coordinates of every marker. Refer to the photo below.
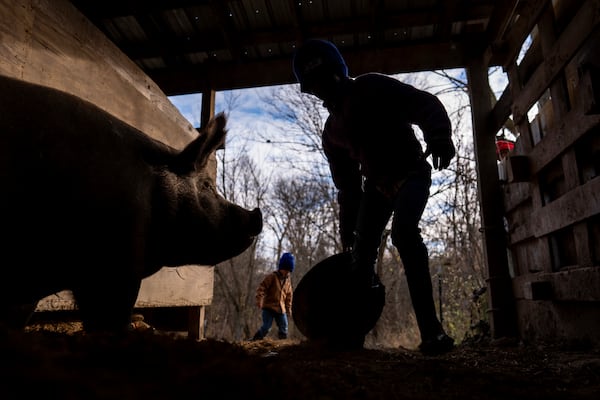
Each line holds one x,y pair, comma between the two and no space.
48,42
552,196
195,288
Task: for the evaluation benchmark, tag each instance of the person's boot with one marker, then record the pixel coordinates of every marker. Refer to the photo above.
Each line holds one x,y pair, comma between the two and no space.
437,345
364,273
416,268
138,323
283,335
257,336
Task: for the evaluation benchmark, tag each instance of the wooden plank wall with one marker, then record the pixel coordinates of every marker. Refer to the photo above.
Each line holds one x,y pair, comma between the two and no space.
48,42
188,286
552,198
195,290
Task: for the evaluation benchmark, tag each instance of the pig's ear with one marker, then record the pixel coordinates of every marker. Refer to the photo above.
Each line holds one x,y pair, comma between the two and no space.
196,153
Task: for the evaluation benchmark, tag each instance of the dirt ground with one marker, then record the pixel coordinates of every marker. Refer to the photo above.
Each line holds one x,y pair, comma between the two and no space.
68,364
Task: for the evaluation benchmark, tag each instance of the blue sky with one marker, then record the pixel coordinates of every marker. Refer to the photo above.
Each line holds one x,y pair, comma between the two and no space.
248,116
249,121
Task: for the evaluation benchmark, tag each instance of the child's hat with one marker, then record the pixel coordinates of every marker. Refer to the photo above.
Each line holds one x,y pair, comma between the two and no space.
287,262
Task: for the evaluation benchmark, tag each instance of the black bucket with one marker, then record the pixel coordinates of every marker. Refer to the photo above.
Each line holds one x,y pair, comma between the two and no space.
332,307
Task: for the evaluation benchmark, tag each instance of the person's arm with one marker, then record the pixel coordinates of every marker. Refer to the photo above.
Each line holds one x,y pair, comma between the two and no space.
260,292
347,178
289,297
428,112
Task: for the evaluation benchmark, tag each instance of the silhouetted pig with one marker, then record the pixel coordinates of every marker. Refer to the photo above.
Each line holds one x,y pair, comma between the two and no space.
89,203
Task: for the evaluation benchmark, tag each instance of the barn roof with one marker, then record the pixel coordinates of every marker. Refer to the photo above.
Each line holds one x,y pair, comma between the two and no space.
189,46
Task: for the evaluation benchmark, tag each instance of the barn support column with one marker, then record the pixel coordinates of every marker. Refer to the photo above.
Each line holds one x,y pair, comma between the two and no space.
197,313
207,111
196,323
502,315
208,106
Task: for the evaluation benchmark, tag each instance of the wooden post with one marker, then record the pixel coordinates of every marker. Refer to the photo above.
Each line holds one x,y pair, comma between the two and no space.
50,43
196,323
206,113
208,107
196,315
503,320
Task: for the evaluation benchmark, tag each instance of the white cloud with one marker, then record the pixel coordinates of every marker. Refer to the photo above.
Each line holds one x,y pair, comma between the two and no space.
249,123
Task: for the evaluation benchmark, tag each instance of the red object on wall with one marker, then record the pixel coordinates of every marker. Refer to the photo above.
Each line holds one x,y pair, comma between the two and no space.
503,147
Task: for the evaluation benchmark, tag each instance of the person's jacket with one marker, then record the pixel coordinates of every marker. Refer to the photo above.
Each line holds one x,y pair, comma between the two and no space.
275,293
369,134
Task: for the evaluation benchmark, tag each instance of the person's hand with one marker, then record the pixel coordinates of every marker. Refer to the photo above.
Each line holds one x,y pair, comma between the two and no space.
442,152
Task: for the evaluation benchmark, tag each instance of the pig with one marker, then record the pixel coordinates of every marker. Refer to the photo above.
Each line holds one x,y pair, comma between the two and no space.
90,204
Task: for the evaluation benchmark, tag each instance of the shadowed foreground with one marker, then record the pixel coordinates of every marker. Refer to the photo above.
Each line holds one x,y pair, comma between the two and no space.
159,366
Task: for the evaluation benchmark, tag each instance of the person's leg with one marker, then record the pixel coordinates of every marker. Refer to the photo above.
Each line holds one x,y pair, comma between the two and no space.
406,236
282,324
374,213
267,318
361,290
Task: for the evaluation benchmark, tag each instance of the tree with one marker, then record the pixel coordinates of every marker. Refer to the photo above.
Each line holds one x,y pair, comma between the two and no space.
452,221
232,313
299,118
301,216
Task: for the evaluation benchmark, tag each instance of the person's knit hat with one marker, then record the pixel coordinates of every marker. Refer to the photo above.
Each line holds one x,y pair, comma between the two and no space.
318,56
287,262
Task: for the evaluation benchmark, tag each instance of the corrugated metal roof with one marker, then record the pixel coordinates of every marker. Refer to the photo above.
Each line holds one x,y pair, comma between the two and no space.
193,45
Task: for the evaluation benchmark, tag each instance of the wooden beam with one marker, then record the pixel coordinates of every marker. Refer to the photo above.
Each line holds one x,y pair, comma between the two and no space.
53,45
503,315
186,286
228,37
576,205
206,113
208,106
559,322
196,323
575,284
118,8
505,39
569,42
500,20
502,109
278,71
561,136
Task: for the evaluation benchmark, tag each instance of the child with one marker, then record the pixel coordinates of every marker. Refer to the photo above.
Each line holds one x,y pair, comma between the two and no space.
274,298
